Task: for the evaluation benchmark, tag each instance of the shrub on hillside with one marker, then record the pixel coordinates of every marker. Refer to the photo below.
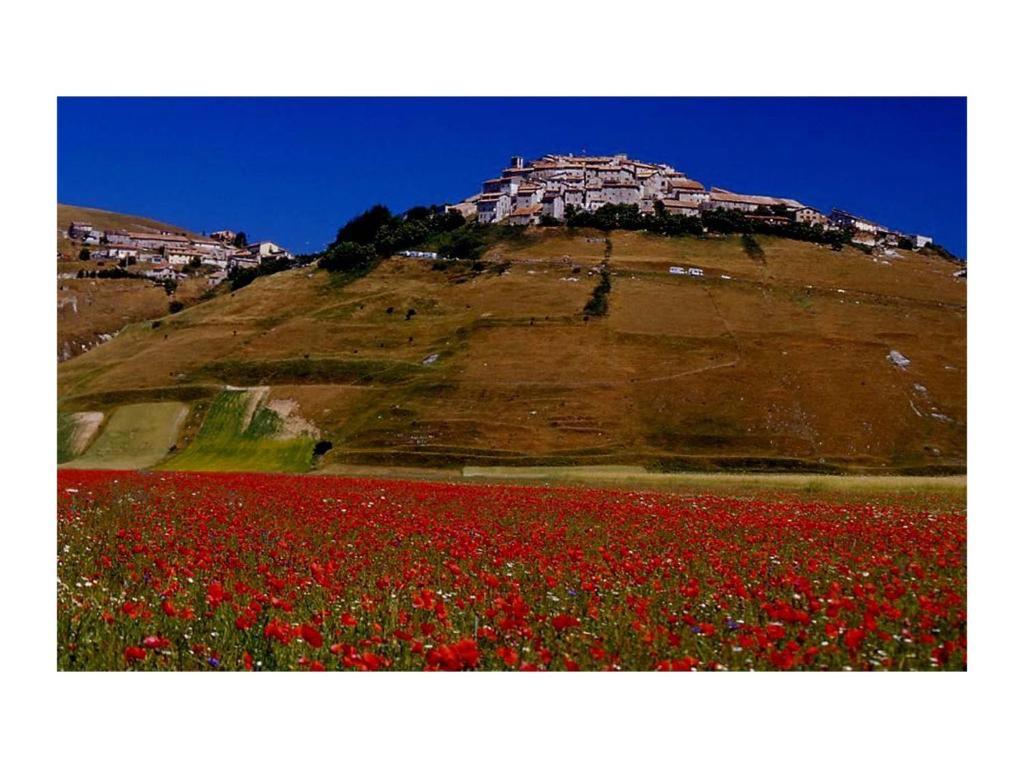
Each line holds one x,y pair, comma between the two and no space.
363,229
597,305
752,248
239,277
348,257
466,243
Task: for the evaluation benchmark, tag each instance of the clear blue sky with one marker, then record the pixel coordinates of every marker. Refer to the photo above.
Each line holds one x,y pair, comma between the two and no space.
294,170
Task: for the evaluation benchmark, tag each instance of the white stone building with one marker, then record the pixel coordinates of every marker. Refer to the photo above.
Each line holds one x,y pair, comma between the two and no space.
810,216
493,207
525,216
681,207
264,249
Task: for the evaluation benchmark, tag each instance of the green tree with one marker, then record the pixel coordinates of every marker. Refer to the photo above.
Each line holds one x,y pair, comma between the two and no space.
363,229
464,244
348,256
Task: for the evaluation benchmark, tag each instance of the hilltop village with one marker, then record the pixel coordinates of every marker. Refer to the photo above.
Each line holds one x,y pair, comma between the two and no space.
172,255
551,187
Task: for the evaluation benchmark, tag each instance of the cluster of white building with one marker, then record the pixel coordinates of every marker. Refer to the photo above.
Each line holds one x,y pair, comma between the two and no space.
526,192
172,251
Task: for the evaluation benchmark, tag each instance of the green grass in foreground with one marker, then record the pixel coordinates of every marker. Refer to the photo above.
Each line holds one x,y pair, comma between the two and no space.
135,437
226,443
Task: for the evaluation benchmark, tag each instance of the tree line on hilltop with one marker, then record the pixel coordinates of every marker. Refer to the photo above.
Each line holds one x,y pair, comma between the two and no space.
718,221
377,233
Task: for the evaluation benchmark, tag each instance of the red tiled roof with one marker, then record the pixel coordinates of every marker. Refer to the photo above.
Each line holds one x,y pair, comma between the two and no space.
684,183
529,210
731,197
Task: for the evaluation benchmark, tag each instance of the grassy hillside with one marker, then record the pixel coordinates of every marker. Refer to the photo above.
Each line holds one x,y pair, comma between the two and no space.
775,359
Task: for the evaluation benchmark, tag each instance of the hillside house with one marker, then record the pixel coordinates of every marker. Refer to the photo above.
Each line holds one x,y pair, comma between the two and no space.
181,257
791,205
264,249
79,229
682,188
721,200
224,235
810,216
493,207
621,193
216,260
115,252
525,216
574,197
165,273
553,205
611,174
725,200
241,260
528,195
152,241
920,241
845,220
504,186
467,208
681,207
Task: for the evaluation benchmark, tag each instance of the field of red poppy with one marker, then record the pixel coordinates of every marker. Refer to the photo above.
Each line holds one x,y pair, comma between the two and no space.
179,571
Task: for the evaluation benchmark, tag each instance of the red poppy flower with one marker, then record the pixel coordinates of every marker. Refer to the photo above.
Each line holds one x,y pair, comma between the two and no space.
312,636
563,621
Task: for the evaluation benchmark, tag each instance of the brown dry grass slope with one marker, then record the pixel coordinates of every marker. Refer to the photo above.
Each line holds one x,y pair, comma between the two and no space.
773,363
